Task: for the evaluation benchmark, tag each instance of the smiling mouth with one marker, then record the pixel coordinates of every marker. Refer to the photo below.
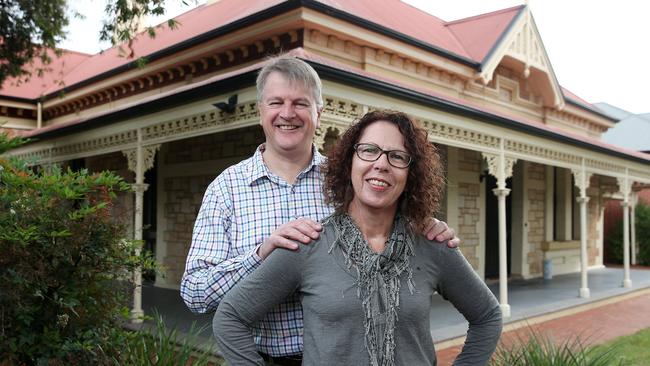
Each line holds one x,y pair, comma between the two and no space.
287,127
378,183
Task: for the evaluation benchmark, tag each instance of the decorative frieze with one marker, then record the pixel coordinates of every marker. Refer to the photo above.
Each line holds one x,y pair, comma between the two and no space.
206,121
346,109
202,65
338,113
441,132
604,165
548,153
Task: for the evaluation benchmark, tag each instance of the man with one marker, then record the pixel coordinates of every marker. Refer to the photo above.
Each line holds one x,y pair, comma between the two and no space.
270,200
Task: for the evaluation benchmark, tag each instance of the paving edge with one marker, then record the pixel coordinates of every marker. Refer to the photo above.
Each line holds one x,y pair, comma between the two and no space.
517,324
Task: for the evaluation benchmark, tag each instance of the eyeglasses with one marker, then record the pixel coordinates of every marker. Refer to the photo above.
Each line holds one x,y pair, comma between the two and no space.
372,152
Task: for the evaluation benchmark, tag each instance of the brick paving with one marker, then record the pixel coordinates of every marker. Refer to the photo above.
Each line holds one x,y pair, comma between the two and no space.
596,325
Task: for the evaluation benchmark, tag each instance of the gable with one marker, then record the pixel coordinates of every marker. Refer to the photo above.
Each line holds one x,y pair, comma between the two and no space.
519,48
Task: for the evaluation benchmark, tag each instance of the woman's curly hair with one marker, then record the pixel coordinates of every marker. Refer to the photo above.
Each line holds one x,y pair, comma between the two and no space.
424,186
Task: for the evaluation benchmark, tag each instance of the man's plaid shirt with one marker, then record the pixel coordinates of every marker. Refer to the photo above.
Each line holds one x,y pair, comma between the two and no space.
240,209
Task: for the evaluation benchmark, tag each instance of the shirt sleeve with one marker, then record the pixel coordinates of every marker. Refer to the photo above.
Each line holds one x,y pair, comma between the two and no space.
471,297
278,277
212,266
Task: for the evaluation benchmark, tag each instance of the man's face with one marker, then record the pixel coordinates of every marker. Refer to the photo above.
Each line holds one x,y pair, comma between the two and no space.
289,116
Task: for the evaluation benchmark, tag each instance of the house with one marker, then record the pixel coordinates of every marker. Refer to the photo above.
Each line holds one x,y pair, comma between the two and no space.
528,172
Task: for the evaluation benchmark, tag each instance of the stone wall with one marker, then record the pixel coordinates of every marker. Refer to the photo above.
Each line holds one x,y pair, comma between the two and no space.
593,229
536,219
183,197
469,206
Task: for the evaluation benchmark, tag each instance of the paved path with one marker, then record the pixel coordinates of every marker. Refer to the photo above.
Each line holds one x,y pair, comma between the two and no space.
595,323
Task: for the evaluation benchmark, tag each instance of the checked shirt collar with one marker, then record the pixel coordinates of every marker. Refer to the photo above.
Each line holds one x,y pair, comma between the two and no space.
260,170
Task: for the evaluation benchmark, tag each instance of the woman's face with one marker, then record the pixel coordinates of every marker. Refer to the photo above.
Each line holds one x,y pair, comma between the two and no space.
377,184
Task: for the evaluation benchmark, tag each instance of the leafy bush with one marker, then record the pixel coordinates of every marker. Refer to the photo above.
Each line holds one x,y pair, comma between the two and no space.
642,223
64,267
643,233
615,241
535,349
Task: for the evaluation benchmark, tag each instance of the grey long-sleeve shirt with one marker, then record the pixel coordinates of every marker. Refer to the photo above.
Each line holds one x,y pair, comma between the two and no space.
333,315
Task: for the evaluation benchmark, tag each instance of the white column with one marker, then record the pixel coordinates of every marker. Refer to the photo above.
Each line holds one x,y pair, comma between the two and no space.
627,282
140,160
137,312
633,249
625,187
584,287
501,167
501,194
581,179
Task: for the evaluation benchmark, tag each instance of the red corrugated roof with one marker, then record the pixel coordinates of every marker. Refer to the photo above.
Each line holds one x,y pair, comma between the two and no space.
392,14
195,22
479,34
405,19
471,38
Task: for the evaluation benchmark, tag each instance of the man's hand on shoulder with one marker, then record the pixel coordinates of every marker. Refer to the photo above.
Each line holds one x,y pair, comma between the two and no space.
286,236
440,231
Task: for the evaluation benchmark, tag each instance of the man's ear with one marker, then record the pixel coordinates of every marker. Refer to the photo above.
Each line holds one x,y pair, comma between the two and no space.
319,110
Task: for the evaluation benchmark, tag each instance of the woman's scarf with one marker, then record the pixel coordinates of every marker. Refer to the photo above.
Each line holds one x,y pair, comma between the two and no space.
378,281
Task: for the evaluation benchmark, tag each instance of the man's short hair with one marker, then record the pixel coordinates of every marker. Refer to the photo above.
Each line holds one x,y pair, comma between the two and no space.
295,71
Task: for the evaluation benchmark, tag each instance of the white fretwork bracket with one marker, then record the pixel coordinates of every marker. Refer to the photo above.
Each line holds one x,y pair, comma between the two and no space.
149,153
582,179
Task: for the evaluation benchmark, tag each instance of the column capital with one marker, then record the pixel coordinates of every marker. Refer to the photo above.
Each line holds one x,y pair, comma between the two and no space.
139,188
501,192
582,199
581,178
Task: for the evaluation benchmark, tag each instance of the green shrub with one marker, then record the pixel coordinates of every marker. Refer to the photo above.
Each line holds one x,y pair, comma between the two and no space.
536,349
642,217
64,268
615,241
642,223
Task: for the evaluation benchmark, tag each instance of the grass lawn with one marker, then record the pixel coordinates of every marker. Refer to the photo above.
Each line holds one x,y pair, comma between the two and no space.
631,350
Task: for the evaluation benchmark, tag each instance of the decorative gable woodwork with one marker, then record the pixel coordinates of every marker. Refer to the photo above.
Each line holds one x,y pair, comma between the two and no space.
521,49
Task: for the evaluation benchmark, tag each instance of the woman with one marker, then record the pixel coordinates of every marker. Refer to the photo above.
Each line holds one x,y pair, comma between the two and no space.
366,284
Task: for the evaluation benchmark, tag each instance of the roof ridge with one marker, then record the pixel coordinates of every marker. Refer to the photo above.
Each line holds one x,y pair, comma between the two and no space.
422,11
73,51
442,22
484,15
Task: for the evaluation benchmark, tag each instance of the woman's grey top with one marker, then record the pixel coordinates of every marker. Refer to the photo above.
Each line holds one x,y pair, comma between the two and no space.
333,315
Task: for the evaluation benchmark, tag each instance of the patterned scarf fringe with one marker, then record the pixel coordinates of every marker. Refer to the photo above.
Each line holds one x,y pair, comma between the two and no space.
378,283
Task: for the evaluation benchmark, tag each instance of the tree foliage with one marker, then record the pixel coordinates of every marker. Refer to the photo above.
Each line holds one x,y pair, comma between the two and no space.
30,30
27,30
